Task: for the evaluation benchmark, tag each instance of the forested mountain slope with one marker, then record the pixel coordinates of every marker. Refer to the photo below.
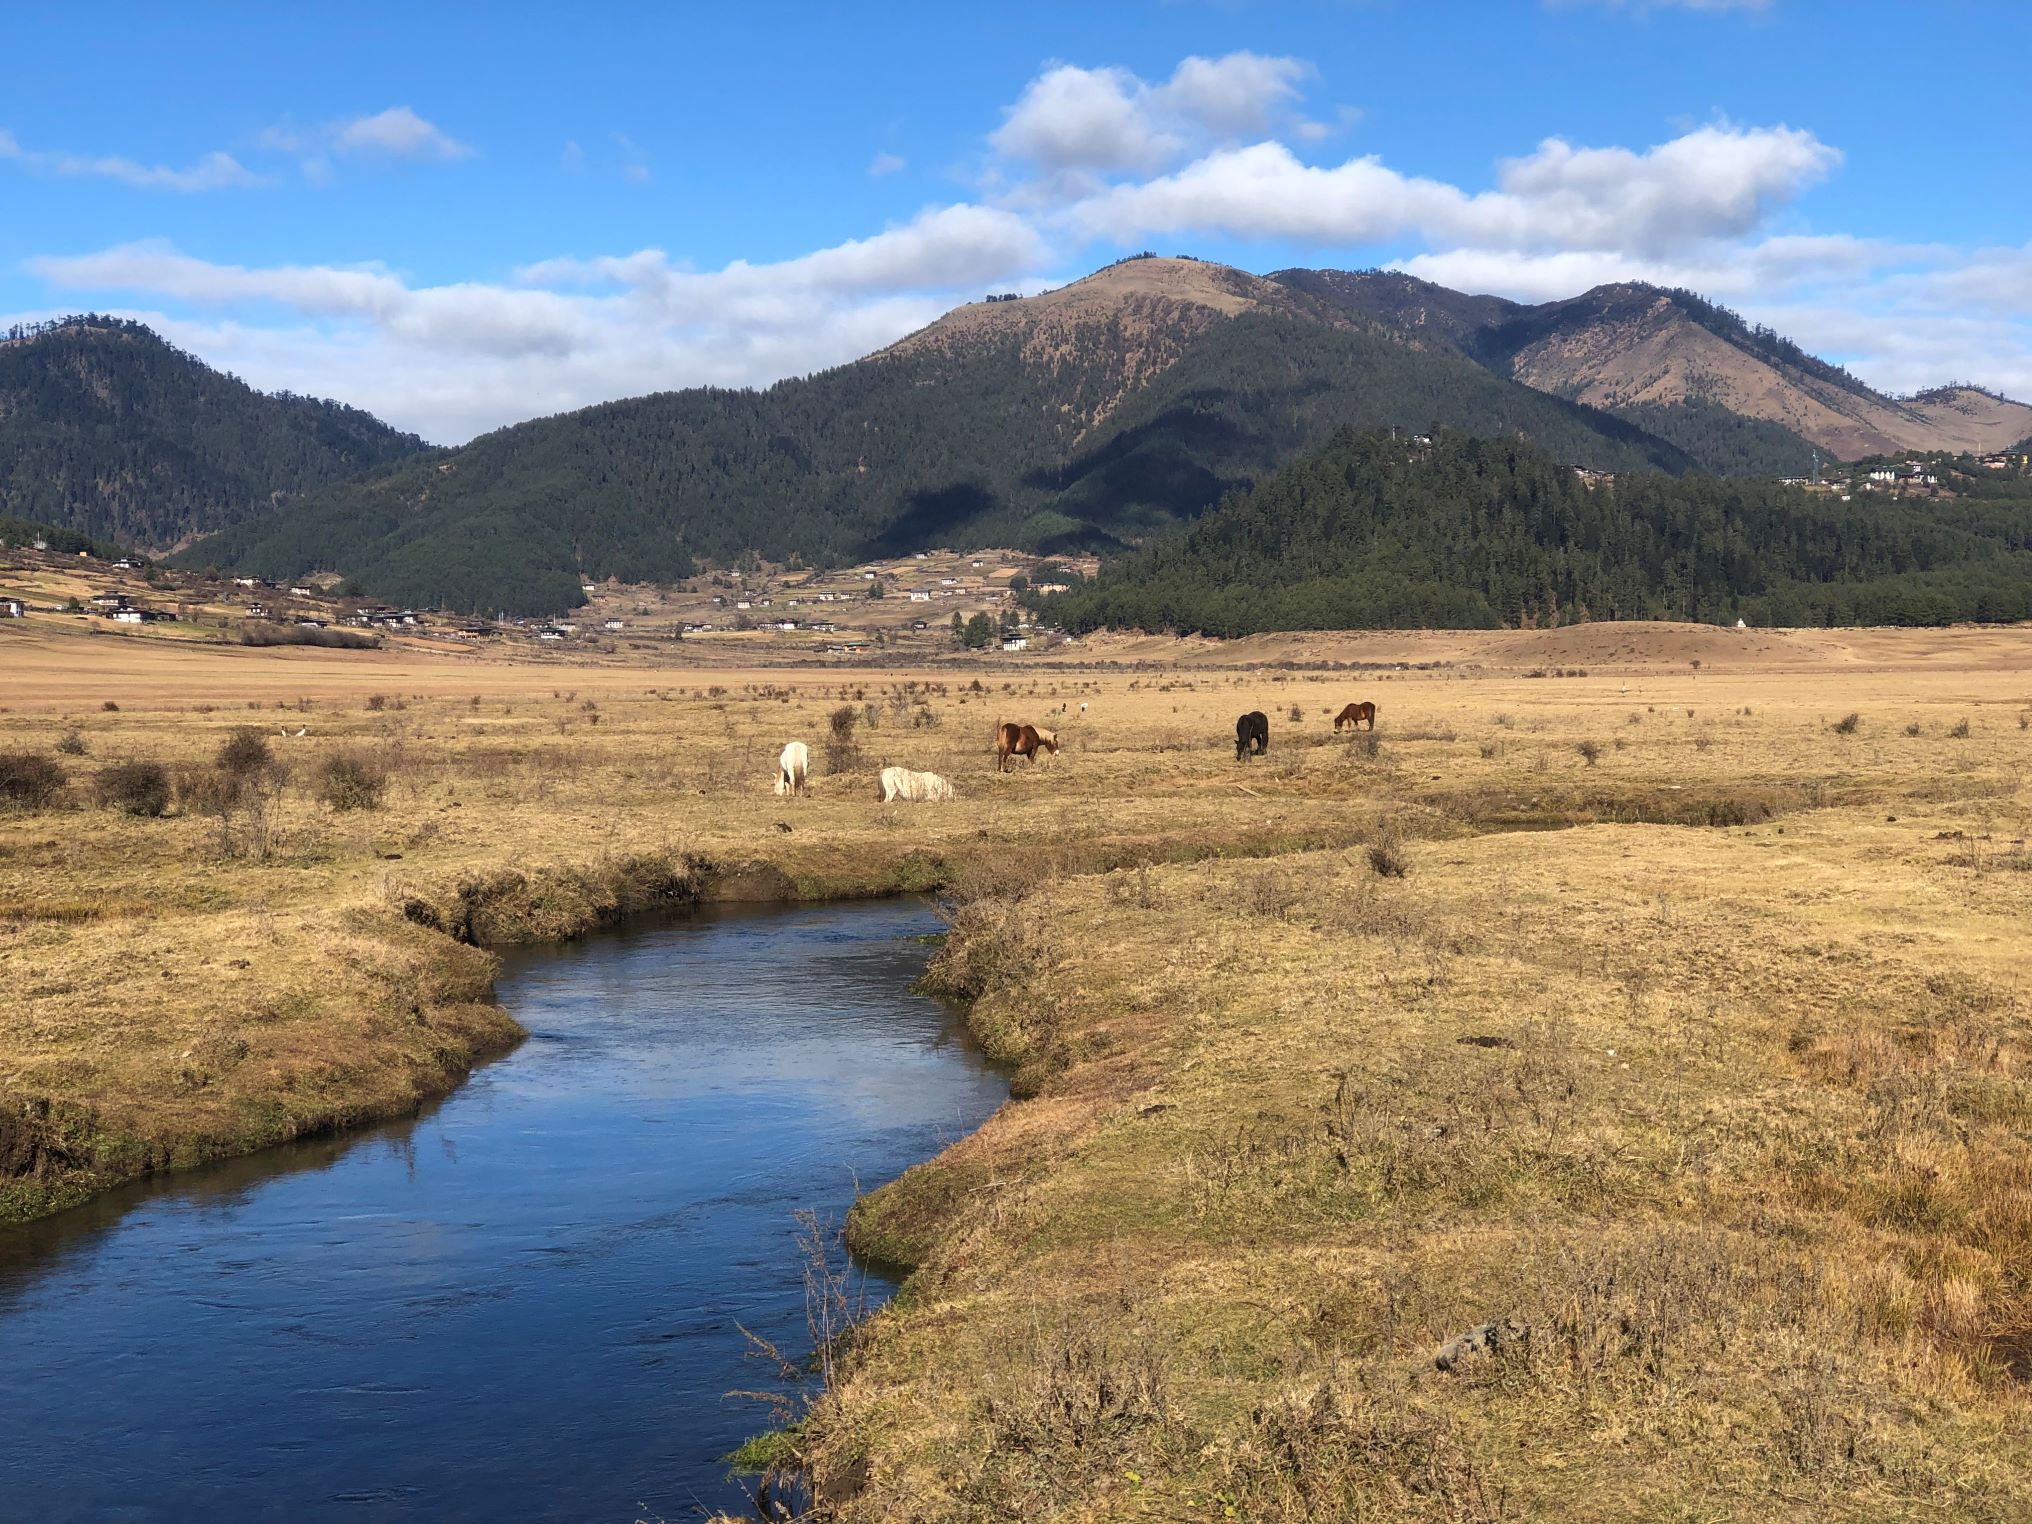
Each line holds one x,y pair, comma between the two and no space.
1380,532
1088,417
107,429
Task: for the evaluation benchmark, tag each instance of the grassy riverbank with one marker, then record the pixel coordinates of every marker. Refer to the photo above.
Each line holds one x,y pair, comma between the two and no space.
1660,1016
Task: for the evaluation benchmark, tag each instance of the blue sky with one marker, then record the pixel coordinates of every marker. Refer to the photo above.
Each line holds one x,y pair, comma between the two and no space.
463,216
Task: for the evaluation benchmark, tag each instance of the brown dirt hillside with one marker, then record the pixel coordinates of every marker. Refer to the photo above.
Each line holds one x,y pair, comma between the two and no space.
1143,312
1661,355
1968,419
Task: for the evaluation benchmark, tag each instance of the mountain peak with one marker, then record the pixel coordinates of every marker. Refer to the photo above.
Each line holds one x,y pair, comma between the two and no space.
1147,290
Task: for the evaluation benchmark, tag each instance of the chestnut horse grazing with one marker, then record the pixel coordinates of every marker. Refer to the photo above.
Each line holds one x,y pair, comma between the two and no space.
1252,735
1021,741
1354,714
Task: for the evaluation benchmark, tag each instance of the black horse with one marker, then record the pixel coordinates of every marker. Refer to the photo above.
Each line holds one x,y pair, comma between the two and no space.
1252,735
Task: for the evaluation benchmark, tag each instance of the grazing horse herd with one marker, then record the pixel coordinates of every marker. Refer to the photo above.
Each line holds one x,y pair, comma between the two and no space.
1252,739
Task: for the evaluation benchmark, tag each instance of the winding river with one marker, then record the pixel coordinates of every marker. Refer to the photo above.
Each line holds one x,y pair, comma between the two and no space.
523,1304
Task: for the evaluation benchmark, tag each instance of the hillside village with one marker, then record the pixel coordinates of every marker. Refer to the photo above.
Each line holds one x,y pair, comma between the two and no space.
915,607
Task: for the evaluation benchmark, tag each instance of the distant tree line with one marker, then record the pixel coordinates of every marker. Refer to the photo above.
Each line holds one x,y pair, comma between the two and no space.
1380,532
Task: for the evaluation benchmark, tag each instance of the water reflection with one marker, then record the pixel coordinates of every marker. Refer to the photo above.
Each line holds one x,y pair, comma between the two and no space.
520,1305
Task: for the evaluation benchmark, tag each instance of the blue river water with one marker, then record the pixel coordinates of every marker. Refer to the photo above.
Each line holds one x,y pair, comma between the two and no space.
525,1304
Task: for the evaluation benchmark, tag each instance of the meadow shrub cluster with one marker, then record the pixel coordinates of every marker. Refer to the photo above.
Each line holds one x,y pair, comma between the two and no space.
350,779
135,788
29,780
244,751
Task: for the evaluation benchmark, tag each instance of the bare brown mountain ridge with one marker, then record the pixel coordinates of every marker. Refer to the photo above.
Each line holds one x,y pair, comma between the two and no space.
1630,346
1139,315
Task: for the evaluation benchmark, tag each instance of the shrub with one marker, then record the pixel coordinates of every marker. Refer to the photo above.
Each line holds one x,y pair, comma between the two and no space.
110,707
30,780
1846,725
377,702
841,754
1387,856
1737,810
1961,730
1914,729
352,779
71,744
1702,741
204,790
136,788
262,634
1590,751
245,750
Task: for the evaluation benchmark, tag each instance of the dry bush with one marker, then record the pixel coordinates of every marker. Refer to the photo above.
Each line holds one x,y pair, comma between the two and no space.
29,780
1847,724
1387,855
1915,729
1074,1396
350,779
1738,810
135,788
1349,1451
71,744
1960,732
244,751
1590,751
841,753
1271,893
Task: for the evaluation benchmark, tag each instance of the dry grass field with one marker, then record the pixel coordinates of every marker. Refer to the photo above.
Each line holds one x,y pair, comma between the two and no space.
1664,1019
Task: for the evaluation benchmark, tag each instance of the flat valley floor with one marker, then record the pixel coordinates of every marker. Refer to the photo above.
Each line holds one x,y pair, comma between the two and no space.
1651,996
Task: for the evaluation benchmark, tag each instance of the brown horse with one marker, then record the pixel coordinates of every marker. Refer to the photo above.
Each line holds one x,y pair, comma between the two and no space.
1354,714
1021,741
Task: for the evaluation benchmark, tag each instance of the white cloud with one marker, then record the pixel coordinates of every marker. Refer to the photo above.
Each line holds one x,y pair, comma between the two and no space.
399,133
1713,182
1084,119
215,171
885,164
451,360
1236,96
1073,120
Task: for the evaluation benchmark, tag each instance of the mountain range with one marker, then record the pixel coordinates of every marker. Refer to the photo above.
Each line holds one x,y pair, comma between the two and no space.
108,430
1093,416
1640,352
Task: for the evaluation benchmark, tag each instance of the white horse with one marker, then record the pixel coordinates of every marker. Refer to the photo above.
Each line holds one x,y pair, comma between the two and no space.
793,770
914,788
